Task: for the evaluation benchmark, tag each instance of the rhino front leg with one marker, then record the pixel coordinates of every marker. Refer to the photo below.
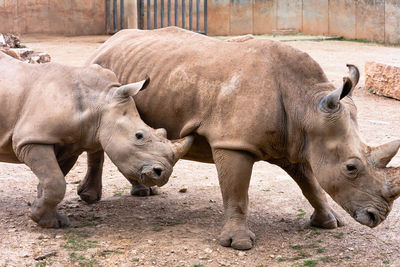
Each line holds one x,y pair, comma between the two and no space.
89,189
43,163
142,191
324,216
234,172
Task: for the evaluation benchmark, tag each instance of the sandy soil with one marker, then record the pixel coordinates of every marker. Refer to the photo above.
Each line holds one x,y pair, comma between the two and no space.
180,229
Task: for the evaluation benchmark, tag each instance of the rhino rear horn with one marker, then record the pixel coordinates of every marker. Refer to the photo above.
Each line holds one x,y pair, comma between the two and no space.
131,89
331,101
382,155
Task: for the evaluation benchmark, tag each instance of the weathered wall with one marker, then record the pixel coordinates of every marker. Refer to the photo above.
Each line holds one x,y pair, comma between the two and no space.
71,17
375,20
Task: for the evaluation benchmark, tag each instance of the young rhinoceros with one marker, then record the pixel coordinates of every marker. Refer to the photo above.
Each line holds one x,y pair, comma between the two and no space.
52,113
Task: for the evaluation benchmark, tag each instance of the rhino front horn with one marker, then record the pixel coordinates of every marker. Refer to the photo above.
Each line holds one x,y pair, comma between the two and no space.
382,155
181,147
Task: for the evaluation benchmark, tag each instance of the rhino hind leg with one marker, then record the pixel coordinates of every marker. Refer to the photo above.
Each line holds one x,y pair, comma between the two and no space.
89,190
142,190
234,171
51,189
323,216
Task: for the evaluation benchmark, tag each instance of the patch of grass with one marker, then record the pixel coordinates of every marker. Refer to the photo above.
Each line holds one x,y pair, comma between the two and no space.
297,247
319,241
325,259
310,263
109,252
301,213
386,261
40,264
76,241
157,229
198,265
167,222
135,260
82,260
320,250
118,193
267,190
338,235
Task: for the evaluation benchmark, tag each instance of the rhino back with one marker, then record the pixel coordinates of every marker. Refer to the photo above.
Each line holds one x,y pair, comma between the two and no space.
232,93
40,104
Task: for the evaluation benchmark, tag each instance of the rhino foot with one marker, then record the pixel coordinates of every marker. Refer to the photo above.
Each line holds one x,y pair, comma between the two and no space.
240,238
89,195
326,220
144,191
51,220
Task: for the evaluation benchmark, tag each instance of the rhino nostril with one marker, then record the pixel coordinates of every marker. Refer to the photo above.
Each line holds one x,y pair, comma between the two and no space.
158,171
372,217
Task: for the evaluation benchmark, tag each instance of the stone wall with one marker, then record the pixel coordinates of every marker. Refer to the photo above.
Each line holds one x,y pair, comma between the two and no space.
70,17
375,20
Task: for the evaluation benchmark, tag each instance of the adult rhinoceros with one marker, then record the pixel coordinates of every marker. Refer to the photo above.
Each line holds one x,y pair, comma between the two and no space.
51,113
257,100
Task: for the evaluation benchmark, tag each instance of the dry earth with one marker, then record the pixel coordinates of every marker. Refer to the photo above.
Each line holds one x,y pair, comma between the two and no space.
180,229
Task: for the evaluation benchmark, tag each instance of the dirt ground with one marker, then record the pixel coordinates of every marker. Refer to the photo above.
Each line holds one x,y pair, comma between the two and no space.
180,229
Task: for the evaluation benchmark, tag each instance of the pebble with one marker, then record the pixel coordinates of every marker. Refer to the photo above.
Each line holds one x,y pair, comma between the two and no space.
351,249
208,250
150,241
241,254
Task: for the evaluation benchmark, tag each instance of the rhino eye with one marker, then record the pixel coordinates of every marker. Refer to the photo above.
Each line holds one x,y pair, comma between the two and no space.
139,135
351,167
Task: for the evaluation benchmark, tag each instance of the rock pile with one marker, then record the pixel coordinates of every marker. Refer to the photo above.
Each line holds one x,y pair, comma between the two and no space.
383,79
11,45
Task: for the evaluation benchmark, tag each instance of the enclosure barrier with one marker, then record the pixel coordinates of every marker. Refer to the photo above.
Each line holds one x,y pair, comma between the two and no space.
153,13
114,14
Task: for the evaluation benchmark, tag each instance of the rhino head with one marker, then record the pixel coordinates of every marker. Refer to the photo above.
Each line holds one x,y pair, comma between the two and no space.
352,173
140,152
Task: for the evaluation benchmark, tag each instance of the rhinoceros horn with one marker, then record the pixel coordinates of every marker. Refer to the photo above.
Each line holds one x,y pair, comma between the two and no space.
131,89
381,155
181,147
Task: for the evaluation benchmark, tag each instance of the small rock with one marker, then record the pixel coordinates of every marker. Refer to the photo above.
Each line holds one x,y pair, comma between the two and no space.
241,253
351,249
150,241
272,256
183,190
208,250
212,201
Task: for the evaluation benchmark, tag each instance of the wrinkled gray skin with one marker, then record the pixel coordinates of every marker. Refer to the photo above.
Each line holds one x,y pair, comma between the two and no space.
52,113
257,99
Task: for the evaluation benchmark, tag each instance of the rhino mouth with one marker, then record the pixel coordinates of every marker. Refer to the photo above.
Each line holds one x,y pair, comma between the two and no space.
368,216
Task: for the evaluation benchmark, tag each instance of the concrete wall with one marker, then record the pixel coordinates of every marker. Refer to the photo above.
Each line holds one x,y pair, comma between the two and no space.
70,17
375,20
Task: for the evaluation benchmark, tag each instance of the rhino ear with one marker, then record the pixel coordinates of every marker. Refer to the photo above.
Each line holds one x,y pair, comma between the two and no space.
331,101
354,75
131,89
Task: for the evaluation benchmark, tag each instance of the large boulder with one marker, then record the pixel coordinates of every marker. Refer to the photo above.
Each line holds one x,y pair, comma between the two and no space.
383,79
